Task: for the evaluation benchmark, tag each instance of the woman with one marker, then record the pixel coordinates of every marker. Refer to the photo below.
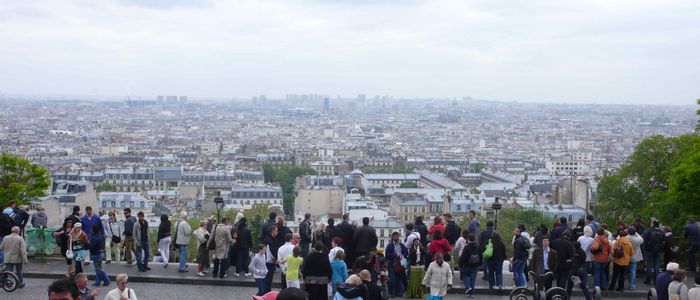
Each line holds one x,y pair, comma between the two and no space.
164,239
495,263
439,245
438,276
97,255
416,257
671,248
437,225
620,263
677,290
600,249
319,234
577,232
586,240
80,245
637,256
351,288
202,236
61,236
121,292
317,273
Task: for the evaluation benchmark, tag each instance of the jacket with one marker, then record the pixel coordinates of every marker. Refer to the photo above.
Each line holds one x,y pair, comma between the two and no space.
694,293
603,255
439,246
257,266
21,218
97,243
678,288
222,236
88,222
692,232
129,226
266,228
537,262
565,251
628,249
662,282
245,238
163,230
271,244
636,241
352,292
437,226
452,232
137,233
184,231
365,239
6,224
469,250
202,235
438,278
317,267
390,252
15,249
348,234
520,249
373,290
39,219
558,231
305,232
340,271
423,231
499,251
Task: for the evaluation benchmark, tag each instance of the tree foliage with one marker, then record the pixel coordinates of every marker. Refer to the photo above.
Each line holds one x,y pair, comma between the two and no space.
286,176
106,187
654,182
409,185
509,218
393,170
21,180
477,167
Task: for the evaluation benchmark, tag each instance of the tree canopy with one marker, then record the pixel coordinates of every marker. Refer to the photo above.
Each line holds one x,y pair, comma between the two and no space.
408,185
286,176
21,180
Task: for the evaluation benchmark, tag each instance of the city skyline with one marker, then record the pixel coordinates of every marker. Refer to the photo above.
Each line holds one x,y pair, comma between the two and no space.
596,52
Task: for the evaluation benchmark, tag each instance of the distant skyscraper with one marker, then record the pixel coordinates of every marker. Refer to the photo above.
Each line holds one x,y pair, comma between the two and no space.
161,99
183,99
326,105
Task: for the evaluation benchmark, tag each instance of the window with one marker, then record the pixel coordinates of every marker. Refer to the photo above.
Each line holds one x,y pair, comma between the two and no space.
104,203
131,203
143,204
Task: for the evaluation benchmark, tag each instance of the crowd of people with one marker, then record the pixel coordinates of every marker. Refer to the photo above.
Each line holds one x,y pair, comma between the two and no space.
342,261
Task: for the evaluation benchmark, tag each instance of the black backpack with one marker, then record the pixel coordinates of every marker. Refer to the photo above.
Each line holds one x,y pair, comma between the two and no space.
656,244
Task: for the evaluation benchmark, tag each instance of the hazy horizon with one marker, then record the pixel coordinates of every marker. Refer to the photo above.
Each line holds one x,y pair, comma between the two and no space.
595,52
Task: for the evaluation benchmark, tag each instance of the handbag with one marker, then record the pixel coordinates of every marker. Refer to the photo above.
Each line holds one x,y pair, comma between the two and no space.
488,253
173,242
212,240
115,239
398,268
69,252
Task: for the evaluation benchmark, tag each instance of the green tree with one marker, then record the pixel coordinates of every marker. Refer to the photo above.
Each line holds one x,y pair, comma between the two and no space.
477,167
697,112
21,180
106,187
409,185
269,172
509,218
475,191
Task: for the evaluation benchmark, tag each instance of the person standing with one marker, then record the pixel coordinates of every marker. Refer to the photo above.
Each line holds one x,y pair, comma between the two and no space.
90,219
586,241
202,236
259,269
183,231
422,230
600,249
663,281
496,262
691,231
97,254
544,259
452,231
114,238
365,238
142,243
222,239
10,209
21,218
271,222
637,241
282,253
15,249
129,222
121,292
244,245
654,246
474,225
411,234
438,245
484,238
577,268
62,236
164,239
520,255
348,236
317,273
437,225
394,253
79,244
270,243
622,253
694,293
39,218
438,277
6,229
305,234
469,261
294,262
565,253
559,230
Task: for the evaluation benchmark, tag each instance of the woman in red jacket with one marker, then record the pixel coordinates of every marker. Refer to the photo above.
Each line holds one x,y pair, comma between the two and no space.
439,245
437,225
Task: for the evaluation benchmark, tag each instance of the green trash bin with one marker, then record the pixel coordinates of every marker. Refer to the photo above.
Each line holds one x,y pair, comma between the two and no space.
33,241
49,241
40,239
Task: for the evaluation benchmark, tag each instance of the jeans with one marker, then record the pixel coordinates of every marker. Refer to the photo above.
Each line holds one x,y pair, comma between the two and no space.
260,283
485,268
600,278
231,258
692,252
18,271
269,276
142,256
242,263
128,248
183,256
583,276
468,275
100,275
652,262
495,273
304,250
619,276
519,273
220,266
396,287
2,253
632,273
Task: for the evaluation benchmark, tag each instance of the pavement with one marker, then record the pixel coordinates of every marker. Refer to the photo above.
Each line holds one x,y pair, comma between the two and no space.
55,268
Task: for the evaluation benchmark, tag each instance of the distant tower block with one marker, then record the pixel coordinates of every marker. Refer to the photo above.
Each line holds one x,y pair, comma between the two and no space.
326,105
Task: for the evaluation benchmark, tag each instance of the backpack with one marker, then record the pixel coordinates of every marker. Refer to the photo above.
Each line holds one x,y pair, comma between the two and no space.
619,251
656,244
526,243
596,249
474,259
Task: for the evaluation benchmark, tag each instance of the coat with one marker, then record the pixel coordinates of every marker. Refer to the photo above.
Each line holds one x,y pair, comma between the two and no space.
184,231
629,251
365,239
603,255
15,249
222,236
537,262
137,233
438,278
439,246
565,251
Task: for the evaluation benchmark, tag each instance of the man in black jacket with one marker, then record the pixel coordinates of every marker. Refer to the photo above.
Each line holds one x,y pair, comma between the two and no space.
305,234
565,252
544,259
559,230
422,230
282,232
270,241
452,231
469,264
348,236
365,238
243,245
271,222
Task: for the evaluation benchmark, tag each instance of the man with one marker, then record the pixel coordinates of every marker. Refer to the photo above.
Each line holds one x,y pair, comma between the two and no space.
484,238
653,247
469,261
692,233
282,231
349,241
243,244
39,218
81,282
129,222
452,231
90,219
305,234
365,238
422,229
282,253
520,254
222,237
474,224
114,238
411,234
15,249
63,289
271,222
591,222
183,231
639,227
559,230
664,280
75,216
394,252
270,254
544,260
6,225
21,218
10,209
142,243
565,254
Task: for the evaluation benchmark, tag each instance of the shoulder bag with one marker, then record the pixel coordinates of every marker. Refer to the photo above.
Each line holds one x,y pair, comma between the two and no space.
173,242
212,239
115,239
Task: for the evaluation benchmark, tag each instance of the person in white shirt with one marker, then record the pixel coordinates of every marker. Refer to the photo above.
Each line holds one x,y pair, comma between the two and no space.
411,234
461,242
282,253
121,292
335,246
114,237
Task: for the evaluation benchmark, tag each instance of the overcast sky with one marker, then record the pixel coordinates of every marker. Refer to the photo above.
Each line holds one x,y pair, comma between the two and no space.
608,51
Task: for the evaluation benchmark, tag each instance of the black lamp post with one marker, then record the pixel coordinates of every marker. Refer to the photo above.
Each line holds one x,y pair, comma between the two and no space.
219,201
496,206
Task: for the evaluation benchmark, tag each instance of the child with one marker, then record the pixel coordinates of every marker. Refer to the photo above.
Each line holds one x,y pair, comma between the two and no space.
259,269
384,276
340,270
294,263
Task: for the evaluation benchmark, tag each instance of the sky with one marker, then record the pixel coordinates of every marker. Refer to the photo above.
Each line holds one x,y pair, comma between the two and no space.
511,50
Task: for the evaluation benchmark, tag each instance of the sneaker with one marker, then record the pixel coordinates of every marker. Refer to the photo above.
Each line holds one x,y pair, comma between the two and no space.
248,274
225,275
147,268
165,265
200,274
108,262
236,274
467,291
86,263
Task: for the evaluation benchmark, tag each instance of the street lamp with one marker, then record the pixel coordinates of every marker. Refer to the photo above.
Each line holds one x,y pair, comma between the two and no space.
496,206
219,201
